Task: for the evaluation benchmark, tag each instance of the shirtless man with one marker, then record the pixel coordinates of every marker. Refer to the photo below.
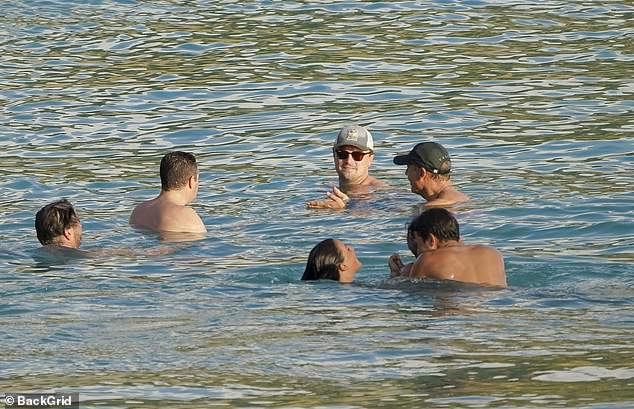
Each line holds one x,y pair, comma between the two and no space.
59,230
428,168
168,212
442,255
352,153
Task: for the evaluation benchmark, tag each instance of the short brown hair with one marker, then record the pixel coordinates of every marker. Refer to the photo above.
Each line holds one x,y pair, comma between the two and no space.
53,219
176,169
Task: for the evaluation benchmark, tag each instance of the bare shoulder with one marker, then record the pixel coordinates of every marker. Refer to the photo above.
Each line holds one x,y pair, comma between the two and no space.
488,265
185,219
483,251
468,263
139,212
140,207
162,215
449,197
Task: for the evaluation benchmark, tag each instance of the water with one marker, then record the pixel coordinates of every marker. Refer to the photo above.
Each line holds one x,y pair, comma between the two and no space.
533,101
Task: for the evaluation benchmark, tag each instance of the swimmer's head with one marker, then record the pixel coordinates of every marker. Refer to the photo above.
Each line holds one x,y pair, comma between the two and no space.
437,221
58,223
332,260
176,170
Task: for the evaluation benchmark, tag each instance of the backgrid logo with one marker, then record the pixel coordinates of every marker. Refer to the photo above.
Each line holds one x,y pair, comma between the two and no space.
41,400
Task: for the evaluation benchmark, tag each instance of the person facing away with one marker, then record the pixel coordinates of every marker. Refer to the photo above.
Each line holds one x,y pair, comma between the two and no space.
428,171
441,255
168,212
332,260
58,226
353,153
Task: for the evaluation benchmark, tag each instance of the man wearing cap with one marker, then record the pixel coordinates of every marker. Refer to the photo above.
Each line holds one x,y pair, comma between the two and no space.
428,168
353,153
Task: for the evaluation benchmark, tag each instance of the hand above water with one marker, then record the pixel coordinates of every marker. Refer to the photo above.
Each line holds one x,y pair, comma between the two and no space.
397,268
336,200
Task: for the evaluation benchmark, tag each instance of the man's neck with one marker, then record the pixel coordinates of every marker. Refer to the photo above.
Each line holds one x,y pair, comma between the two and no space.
62,243
436,191
177,197
448,243
347,183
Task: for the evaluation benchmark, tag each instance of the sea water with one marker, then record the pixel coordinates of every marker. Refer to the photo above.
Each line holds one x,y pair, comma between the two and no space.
532,100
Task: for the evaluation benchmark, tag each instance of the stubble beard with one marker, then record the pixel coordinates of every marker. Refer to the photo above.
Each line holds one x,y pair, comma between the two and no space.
348,173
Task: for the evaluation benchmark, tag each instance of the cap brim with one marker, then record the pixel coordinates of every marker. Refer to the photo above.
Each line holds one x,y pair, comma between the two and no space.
403,159
356,145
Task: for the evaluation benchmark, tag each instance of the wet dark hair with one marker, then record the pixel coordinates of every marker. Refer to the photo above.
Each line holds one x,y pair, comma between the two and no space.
323,262
53,219
176,169
437,221
411,244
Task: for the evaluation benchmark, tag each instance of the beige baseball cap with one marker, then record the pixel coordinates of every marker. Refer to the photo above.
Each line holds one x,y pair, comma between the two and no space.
355,135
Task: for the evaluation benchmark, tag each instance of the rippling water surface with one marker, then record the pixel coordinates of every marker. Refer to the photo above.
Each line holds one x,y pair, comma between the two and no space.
532,99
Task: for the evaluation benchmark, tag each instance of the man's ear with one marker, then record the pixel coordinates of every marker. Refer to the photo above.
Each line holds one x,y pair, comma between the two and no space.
68,233
342,267
192,181
433,241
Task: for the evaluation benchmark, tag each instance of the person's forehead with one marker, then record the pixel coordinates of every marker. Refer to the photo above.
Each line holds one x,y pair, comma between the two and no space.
339,245
350,148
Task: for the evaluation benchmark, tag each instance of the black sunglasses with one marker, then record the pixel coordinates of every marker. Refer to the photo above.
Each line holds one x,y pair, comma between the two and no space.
356,155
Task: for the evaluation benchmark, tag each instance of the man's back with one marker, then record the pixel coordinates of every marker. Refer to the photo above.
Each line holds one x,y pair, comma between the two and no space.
161,214
472,264
168,212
